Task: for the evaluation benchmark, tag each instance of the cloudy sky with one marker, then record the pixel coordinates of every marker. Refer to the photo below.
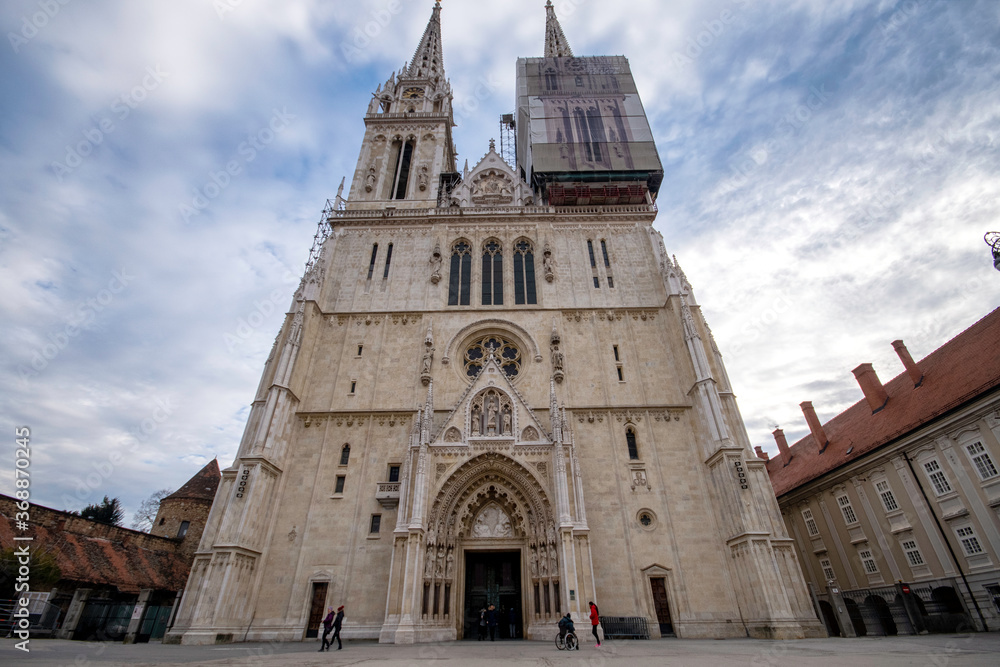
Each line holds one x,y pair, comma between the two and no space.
831,168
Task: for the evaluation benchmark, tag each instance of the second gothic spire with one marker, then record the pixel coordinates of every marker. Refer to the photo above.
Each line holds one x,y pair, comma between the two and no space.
556,45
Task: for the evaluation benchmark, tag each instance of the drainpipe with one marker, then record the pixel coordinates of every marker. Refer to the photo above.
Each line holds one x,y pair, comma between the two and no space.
944,536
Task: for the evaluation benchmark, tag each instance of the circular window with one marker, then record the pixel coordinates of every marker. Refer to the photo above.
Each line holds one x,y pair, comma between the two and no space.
646,518
505,351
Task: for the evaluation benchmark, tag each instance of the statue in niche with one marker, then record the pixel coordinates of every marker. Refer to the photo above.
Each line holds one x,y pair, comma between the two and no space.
533,555
431,536
543,569
370,179
557,358
422,178
440,562
449,564
429,561
428,358
491,418
547,264
506,421
436,265
477,416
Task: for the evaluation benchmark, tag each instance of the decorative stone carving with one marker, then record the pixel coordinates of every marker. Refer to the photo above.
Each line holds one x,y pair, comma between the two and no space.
492,522
436,264
547,264
370,179
428,358
557,356
422,179
453,435
529,434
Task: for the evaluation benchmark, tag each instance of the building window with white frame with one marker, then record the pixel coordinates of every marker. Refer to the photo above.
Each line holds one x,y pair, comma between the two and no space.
912,551
885,493
848,511
827,567
981,460
937,477
970,543
807,516
868,561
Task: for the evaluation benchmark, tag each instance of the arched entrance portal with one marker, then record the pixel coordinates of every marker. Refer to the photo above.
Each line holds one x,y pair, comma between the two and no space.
492,518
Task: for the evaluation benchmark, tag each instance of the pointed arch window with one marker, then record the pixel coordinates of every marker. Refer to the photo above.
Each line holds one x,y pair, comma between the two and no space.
371,264
401,173
345,454
524,273
460,280
492,273
633,449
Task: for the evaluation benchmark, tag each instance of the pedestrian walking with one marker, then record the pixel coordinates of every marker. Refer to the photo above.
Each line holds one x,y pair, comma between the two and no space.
594,620
512,619
327,628
482,624
337,623
491,621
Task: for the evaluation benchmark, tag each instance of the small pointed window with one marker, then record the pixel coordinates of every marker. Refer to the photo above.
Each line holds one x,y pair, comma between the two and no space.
633,449
345,454
371,264
388,259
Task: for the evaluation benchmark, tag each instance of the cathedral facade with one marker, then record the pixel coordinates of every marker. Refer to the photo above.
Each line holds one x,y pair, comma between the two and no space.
495,386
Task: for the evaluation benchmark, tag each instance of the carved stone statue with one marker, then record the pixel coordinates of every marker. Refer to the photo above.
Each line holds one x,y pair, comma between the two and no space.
534,562
557,358
436,265
506,422
370,179
440,562
422,178
491,418
449,564
547,264
476,418
429,561
426,363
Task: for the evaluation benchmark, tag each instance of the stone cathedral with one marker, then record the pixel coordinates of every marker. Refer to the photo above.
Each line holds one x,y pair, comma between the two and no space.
494,386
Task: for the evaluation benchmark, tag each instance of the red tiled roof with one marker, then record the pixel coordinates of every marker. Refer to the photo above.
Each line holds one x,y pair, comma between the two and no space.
965,367
129,560
202,486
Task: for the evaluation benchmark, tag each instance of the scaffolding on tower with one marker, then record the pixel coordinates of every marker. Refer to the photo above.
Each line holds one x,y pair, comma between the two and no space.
508,142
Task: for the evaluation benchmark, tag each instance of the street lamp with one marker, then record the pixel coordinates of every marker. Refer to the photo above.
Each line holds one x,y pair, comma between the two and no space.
993,241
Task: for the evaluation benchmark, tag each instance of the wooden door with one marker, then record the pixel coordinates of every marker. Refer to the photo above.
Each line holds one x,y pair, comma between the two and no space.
659,586
316,610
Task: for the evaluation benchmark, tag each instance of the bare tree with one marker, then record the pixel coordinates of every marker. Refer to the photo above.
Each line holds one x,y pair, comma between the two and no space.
144,516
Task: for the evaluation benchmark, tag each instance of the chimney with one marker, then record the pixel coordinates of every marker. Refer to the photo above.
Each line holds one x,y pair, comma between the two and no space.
779,437
911,365
819,435
761,454
871,386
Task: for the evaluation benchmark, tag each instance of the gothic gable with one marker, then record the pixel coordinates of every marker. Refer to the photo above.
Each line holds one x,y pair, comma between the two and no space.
491,410
492,182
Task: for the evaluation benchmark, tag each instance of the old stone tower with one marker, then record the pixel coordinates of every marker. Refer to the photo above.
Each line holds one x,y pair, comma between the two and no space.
496,386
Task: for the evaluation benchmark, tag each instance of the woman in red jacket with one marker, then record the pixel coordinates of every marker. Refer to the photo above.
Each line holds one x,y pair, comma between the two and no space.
594,620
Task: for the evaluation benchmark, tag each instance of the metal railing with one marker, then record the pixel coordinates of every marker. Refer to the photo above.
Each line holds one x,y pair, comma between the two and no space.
625,627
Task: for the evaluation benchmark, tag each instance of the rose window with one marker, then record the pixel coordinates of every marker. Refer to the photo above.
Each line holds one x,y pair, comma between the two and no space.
506,353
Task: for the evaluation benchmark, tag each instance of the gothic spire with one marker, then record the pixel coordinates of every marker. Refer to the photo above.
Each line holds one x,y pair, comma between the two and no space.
556,45
428,62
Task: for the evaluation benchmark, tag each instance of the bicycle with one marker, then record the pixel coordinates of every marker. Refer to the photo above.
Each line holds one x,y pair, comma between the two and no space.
569,642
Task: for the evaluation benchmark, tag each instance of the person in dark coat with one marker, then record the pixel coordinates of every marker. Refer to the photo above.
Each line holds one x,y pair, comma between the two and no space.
482,624
337,623
512,619
327,627
491,621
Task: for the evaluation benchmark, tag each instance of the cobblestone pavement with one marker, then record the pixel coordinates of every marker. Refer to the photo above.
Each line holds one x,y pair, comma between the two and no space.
929,650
